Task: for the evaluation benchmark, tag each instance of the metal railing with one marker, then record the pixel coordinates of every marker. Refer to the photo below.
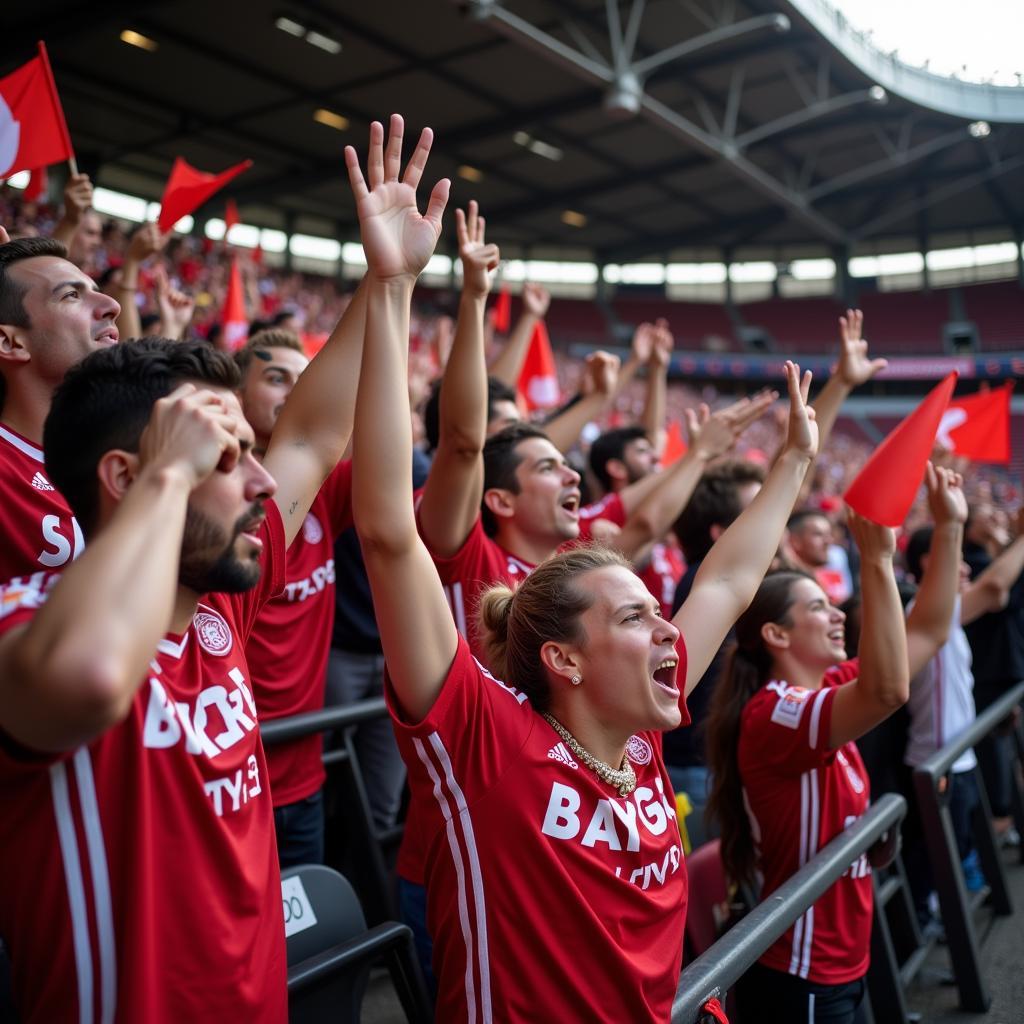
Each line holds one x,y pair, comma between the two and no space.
957,908
294,727
720,967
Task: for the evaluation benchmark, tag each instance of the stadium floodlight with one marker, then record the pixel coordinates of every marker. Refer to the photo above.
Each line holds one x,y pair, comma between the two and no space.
574,218
979,129
876,94
137,39
468,173
323,42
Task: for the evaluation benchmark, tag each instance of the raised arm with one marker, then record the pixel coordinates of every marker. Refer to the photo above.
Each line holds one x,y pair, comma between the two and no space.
599,386
315,425
455,486
930,619
509,363
72,672
883,684
989,591
77,200
146,242
666,494
176,308
652,419
733,569
416,628
853,369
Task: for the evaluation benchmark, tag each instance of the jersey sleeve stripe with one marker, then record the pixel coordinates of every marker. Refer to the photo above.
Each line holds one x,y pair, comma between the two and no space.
819,701
100,884
475,873
75,887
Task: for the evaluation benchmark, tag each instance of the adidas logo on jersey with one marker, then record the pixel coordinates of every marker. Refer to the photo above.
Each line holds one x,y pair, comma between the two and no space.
559,752
40,483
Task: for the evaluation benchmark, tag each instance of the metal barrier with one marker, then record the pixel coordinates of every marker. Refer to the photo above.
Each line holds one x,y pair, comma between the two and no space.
957,908
368,871
718,969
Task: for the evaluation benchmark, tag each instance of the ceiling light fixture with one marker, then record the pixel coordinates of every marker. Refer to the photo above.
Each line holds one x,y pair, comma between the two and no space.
979,129
574,219
292,27
331,119
133,38
537,146
323,42
470,173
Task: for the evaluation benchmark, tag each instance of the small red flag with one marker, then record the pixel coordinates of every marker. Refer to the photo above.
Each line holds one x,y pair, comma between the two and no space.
187,189
501,313
234,323
38,186
33,132
978,426
230,216
675,444
886,486
538,379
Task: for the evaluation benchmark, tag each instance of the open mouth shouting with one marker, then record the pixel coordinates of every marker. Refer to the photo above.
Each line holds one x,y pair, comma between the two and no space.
665,676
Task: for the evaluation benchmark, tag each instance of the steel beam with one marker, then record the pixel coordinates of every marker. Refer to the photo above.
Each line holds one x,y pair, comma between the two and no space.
811,113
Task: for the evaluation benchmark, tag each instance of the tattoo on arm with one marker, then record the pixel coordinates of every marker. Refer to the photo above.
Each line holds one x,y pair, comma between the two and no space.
294,506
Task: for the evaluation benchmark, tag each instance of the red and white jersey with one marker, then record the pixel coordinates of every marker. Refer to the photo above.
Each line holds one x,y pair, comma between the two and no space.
549,896
482,562
661,575
289,645
140,872
800,794
39,532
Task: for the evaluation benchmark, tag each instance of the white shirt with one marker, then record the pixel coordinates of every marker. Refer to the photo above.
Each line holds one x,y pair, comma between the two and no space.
942,700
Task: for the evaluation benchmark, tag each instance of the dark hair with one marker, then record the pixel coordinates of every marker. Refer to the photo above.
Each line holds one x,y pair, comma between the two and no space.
747,670
501,460
798,518
105,402
12,294
715,502
497,391
546,606
917,547
611,445
269,337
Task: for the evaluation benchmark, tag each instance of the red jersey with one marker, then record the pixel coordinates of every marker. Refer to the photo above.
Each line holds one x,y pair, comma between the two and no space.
549,896
800,794
661,575
289,644
140,872
39,531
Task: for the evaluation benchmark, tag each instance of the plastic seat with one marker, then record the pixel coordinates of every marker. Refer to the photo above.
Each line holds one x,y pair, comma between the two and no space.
329,960
708,908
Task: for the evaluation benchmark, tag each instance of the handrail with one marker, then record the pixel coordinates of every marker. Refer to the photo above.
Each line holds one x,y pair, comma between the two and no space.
942,760
281,730
720,967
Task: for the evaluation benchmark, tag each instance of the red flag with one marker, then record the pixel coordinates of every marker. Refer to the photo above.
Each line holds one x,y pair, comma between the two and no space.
230,216
978,426
187,189
38,186
501,313
234,323
675,444
886,486
538,379
33,132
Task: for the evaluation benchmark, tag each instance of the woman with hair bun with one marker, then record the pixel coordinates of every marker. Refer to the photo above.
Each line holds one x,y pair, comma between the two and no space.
556,888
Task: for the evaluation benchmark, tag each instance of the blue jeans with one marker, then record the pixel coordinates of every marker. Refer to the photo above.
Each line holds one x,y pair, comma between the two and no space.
300,831
412,905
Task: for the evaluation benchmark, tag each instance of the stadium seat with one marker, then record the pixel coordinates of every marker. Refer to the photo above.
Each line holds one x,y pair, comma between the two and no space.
708,908
329,960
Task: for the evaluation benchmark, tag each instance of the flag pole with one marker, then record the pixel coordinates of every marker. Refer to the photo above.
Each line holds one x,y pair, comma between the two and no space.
59,110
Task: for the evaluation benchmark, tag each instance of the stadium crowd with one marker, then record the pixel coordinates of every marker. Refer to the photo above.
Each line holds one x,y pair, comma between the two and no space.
567,631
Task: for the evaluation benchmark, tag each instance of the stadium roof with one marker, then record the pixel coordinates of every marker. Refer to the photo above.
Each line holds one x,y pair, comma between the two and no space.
759,129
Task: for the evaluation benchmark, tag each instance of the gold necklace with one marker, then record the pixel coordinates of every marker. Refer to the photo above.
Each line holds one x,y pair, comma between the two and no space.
623,779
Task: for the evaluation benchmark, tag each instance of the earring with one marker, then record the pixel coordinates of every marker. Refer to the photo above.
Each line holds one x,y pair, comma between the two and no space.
576,680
